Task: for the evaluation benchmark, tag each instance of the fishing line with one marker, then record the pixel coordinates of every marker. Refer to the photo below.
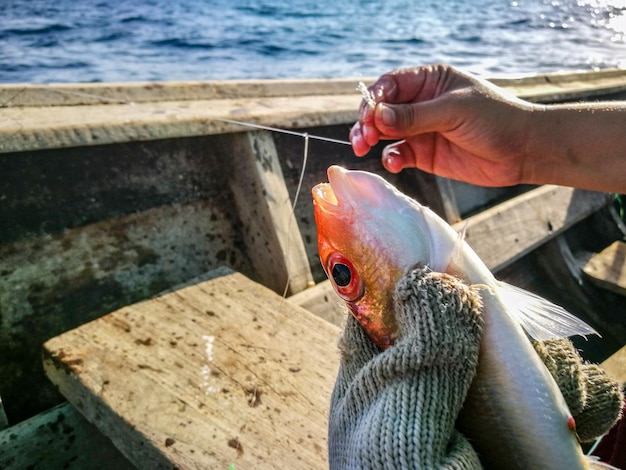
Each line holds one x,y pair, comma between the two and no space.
293,206
104,99
304,135
595,445
366,94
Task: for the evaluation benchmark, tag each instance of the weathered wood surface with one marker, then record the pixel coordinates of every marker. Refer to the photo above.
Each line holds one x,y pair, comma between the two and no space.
74,94
117,113
607,269
506,232
271,236
323,301
616,365
564,86
58,439
35,128
222,371
548,86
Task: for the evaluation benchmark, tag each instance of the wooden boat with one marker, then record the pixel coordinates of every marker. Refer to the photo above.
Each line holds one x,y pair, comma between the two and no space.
113,193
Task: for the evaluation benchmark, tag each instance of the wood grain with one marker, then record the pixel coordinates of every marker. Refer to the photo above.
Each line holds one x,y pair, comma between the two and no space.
506,232
273,240
607,269
616,365
221,371
58,439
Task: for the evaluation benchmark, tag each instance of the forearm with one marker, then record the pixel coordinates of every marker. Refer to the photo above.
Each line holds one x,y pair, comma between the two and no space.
581,145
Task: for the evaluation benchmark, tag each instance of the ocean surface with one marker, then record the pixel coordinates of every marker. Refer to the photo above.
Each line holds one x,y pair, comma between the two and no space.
47,41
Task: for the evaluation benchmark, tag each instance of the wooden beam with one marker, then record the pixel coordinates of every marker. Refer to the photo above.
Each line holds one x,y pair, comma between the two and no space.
607,269
557,85
323,301
616,365
37,128
565,86
58,439
272,237
78,94
221,371
95,114
506,232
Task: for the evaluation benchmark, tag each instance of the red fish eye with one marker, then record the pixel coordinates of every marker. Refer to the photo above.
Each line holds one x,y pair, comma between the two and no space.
344,277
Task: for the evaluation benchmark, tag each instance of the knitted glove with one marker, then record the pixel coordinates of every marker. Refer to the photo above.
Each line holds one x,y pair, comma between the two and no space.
396,409
593,397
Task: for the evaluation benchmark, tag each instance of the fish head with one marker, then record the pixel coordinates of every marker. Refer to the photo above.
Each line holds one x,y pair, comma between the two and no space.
369,235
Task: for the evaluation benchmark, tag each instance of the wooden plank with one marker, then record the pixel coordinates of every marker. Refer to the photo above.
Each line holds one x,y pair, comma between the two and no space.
93,114
560,84
271,235
323,301
607,269
58,439
36,128
219,372
616,365
506,232
55,282
565,86
76,94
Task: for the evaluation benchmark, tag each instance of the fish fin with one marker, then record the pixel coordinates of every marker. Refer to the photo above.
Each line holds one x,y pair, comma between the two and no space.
596,464
456,264
541,319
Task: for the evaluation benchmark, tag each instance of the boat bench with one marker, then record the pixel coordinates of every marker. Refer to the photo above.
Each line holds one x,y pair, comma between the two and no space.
607,269
219,372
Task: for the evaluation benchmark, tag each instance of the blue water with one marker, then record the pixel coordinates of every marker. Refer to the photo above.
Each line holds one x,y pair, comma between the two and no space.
113,40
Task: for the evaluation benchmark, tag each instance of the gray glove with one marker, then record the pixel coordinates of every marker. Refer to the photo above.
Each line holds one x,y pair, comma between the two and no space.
594,398
397,408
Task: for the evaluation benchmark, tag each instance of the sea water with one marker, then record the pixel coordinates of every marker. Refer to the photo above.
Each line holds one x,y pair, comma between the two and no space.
110,40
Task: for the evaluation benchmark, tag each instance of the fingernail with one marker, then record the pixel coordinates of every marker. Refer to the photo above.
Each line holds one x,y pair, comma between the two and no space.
392,161
387,115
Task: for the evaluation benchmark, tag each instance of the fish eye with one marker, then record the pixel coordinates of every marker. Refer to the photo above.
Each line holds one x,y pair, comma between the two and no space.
344,277
341,274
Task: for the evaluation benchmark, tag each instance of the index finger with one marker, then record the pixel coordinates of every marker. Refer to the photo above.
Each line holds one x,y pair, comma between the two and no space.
406,85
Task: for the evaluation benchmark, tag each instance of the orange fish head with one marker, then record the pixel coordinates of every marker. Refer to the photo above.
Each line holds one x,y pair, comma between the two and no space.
369,235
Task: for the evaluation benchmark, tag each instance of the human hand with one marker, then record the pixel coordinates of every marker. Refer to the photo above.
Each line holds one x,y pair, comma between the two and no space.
593,397
397,408
451,124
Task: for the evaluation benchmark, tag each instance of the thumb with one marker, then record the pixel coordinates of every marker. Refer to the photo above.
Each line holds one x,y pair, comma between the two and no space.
405,120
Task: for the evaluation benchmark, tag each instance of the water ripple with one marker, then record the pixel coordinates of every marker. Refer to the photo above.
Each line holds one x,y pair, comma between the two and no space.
108,40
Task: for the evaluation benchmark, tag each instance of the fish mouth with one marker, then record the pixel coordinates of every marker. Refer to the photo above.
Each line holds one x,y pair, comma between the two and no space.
345,188
349,189
325,195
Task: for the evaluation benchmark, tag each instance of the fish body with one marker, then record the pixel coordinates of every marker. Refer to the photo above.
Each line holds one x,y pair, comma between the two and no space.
370,234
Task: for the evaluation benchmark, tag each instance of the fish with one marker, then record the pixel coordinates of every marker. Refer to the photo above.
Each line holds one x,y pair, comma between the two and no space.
370,234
